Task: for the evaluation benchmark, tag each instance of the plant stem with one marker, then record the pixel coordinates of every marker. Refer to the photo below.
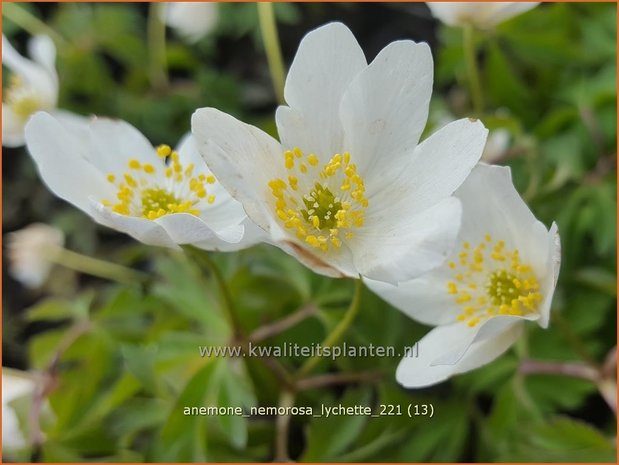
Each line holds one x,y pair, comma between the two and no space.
273,329
94,266
472,70
282,424
26,20
157,47
48,382
202,257
572,369
339,331
523,397
331,379
270,38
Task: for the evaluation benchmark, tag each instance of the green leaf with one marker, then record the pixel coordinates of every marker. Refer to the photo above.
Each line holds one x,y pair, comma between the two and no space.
183,437
565,434
329,437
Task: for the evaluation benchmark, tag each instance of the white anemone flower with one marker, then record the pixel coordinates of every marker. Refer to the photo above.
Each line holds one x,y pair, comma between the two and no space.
503,273
33,86
31,251
483,15
15,385
348,191
191,20
159,196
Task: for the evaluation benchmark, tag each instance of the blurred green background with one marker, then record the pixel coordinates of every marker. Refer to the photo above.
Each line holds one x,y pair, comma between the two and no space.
131,360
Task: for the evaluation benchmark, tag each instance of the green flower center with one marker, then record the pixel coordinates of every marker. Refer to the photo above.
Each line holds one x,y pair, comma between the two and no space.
321,203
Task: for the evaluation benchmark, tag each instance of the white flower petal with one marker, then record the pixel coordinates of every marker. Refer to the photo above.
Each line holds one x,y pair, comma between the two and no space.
191,20
43,51
423,299
77,125
146,231
62,163
327,60
553,264
115,142
184,228
480,14
507,10
422,371
251,233
242,158
12,128
15,385
35,75
30,252
439,165
385,108
400,247
504,215
453,351
225,208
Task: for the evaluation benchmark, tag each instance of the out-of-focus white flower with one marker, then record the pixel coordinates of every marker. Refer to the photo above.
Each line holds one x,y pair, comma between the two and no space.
191,20
349,191
15,385
503,273
159,196
31,251
497,144
484,15
33,86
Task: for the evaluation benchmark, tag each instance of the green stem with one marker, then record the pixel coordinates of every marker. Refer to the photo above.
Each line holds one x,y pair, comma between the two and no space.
282,425
472,70
270,38
524,398
95,267
339,331
27,21
203,259
157,47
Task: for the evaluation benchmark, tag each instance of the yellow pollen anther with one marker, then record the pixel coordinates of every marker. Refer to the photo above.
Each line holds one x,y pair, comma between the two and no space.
320,199
312,159
143,194
496,281
163,151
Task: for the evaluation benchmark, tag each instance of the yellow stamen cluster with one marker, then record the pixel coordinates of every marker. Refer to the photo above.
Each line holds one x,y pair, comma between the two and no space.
321,205
21,98
144,192
490,280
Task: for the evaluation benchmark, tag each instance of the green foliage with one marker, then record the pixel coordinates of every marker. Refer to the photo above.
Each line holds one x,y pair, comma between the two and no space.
125,359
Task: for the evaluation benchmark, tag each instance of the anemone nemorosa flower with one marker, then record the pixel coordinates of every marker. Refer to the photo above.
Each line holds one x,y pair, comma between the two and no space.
484,15
159,196
502,273
31,251
348,190
191,20
33,86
